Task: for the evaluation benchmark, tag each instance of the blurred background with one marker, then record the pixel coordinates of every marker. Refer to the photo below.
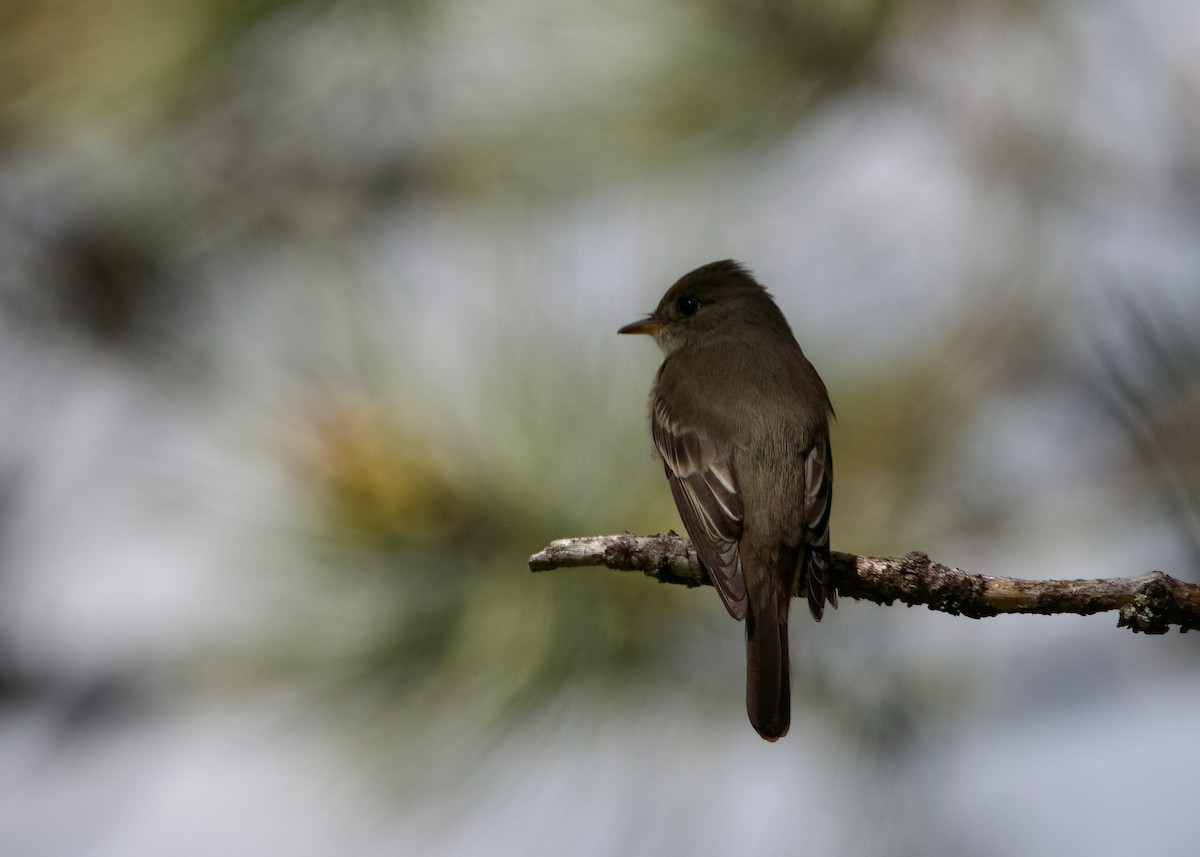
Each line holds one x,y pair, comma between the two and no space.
308,321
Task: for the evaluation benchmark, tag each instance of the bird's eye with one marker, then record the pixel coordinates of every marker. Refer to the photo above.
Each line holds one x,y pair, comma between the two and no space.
687,306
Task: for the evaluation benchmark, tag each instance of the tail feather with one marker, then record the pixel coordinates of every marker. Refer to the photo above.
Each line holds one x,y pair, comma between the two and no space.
768,684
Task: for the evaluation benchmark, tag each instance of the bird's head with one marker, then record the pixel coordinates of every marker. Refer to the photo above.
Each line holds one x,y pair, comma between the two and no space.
716,301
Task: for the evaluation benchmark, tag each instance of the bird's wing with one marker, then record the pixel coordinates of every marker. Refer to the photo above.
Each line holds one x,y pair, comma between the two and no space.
818,499
705,488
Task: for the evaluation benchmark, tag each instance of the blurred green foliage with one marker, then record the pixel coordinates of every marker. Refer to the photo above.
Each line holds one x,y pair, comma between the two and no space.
220,186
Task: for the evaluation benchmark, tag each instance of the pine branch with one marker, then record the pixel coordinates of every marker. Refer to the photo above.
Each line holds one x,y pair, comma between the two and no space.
1151,603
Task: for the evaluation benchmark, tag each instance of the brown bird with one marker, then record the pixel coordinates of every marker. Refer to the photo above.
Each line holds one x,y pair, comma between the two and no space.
741,421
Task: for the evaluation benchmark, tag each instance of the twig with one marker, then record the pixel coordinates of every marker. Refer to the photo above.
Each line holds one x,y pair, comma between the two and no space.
1151,603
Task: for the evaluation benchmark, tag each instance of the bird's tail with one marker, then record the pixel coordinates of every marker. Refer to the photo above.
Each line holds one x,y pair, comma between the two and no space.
768,686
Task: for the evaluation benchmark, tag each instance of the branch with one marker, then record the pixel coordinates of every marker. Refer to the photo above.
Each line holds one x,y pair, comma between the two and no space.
1150,604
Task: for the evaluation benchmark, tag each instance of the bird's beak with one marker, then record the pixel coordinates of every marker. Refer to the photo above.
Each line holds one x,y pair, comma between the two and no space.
648,325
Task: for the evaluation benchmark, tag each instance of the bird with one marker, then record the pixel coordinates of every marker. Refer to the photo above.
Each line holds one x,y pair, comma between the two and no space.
740,419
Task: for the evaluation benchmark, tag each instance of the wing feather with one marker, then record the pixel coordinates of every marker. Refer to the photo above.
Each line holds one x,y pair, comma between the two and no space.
818,500
704,486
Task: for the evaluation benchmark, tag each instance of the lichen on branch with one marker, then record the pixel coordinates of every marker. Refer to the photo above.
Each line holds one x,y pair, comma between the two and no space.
1151,603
